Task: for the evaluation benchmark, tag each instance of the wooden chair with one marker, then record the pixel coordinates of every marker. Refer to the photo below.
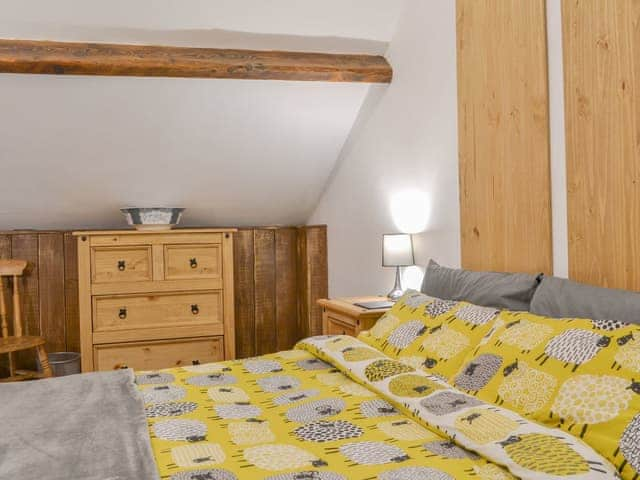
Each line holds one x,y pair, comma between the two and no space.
14,269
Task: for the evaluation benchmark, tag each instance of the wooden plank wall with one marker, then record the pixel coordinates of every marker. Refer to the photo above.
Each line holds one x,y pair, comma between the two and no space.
279,274
503,115
602,116
274,308
49,289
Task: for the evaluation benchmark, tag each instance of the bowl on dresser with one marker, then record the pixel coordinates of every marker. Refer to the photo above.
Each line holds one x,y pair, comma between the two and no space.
153,218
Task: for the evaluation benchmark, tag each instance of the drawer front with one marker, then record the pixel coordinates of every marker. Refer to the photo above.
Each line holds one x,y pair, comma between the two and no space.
192,261
114,264
133,312
155,355
336,327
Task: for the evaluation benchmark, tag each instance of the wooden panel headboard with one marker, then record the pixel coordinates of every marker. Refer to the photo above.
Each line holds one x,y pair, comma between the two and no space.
602,89
505,199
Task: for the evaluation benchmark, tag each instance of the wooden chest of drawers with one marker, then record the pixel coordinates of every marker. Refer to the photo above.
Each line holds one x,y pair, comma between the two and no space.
155,300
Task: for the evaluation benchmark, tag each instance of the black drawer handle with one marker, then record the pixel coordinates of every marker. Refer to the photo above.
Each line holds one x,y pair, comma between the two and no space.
193,263
195,310
122,313
195,362
122,265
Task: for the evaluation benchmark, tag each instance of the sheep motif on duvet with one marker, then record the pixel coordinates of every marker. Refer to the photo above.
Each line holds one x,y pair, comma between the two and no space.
438,307
414,473
415,300
373,453
327,431
546,454
359,354
478,372
209,474
444,343
412,386
162,393
250,432
590,399
524,335
628,355
484,425
382,369
227,394
525,388
405,335
491,472
630,445
384,325
574,347
475,316
276,457
308,475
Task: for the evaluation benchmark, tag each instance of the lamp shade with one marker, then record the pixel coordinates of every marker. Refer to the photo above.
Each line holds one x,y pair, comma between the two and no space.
397,250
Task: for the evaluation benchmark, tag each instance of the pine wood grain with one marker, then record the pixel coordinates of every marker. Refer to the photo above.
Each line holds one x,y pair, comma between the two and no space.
65,58
602,111
266,336
503,115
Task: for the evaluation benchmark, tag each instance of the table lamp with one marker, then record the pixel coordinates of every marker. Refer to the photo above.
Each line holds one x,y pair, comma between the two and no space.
397,251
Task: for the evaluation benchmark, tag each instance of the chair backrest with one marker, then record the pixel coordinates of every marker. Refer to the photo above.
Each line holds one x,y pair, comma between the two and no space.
12,269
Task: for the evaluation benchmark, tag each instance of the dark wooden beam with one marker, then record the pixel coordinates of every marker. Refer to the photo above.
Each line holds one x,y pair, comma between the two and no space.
62,58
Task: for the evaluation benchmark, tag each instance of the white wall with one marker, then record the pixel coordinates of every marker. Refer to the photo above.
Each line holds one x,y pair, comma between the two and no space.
399,169
406,140
557,138
74,149
100,20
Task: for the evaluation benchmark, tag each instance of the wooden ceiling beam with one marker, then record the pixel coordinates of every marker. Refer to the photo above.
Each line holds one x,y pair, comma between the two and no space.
64,58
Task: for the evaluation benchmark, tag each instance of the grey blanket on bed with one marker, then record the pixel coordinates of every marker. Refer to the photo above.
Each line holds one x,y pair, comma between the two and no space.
85,427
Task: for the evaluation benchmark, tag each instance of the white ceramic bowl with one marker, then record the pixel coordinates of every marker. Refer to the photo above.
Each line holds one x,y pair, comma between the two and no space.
156,218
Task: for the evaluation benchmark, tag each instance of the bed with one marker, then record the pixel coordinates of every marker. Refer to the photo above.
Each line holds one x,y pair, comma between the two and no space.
437,390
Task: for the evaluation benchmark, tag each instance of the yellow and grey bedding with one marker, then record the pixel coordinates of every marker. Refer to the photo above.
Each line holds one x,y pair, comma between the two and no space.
435,391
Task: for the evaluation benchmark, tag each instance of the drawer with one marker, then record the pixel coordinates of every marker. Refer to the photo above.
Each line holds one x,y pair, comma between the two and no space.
155,355
335,326
116,264
192,261
133,312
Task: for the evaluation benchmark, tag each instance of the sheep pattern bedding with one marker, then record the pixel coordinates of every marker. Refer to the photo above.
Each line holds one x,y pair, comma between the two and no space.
335,409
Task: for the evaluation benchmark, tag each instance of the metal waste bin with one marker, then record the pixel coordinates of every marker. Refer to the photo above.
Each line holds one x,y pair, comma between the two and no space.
64,363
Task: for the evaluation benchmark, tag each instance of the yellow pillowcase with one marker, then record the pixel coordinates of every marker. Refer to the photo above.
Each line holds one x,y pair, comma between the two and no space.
428,333
576,374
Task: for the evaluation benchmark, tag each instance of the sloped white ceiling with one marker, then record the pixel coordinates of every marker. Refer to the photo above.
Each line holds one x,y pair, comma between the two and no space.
234,152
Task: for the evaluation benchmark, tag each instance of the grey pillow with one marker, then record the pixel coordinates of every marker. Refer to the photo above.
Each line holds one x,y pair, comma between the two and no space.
560,298
511,291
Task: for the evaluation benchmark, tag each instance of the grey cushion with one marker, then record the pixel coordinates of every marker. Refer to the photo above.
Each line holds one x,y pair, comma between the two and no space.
558,297
512,291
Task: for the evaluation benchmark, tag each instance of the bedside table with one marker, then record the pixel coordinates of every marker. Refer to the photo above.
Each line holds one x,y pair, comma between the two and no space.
341,317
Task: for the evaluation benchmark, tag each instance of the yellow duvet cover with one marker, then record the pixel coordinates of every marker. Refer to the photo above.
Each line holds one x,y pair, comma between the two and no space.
337,409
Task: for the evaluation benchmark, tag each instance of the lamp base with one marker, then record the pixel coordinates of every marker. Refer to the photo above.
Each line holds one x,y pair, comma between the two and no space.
397,291
395,294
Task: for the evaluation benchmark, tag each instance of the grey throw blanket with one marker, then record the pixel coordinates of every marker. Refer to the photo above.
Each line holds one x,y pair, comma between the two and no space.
84,427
